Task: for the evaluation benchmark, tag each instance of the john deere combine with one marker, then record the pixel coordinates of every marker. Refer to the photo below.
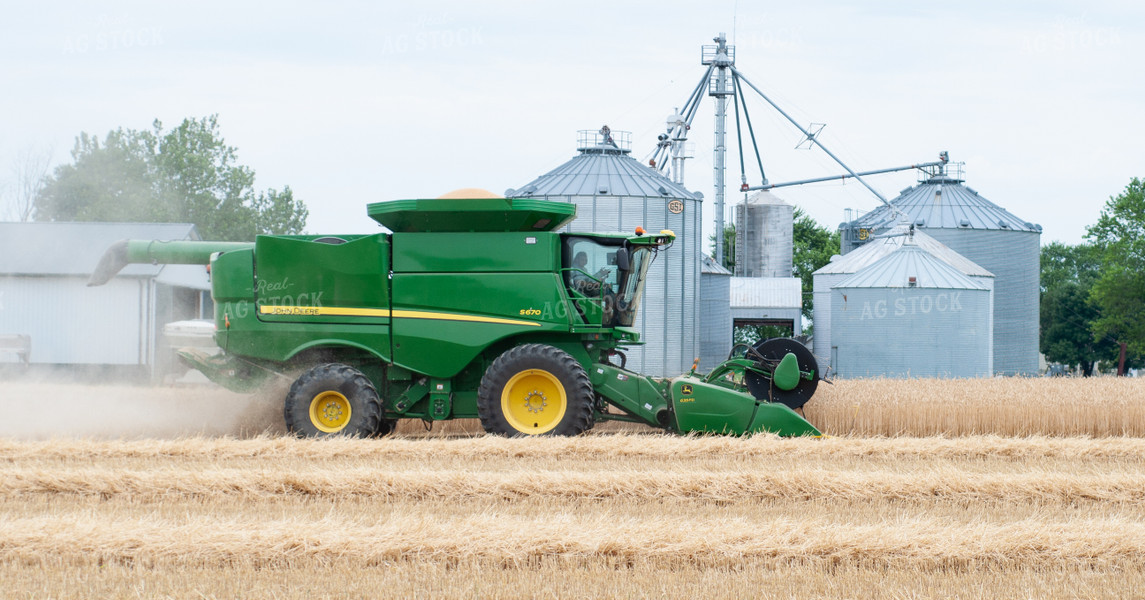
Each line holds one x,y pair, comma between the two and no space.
469,309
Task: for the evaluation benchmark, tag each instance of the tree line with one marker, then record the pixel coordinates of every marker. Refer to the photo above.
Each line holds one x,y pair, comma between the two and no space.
188,174
1093,293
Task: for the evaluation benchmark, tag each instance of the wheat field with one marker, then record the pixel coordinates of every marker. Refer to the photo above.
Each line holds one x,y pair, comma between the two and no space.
1012,406
209,501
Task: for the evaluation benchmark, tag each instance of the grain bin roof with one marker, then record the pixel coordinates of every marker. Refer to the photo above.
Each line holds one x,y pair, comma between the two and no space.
709,266
943,202
765,197
872,251
602,171
897,268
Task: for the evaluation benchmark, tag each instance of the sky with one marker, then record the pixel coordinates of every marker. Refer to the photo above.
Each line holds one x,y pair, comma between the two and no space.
357,102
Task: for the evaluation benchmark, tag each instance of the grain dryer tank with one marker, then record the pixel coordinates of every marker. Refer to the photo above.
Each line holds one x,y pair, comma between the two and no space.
987,234
843,267
910,314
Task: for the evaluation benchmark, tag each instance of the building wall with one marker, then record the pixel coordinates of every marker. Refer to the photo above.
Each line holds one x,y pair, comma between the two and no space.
70,323
794,315
715,319
910,332
821,316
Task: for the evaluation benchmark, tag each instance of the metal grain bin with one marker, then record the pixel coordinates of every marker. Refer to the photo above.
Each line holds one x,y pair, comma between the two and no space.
910,314
613,193
843,267
764,231
715,314
985,233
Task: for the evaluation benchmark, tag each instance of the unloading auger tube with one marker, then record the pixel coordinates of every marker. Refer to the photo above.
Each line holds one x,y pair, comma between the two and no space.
474,308
179,252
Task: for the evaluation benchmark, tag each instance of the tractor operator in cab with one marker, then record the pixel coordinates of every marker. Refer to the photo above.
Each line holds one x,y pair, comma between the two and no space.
584,283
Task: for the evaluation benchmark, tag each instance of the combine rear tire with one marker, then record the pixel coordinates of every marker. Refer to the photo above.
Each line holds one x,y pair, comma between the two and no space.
332,399
535,389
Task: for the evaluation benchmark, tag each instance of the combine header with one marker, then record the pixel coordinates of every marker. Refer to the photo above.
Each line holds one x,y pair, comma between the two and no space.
471,308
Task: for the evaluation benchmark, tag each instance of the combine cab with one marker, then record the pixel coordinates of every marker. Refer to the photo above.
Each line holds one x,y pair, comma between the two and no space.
472,308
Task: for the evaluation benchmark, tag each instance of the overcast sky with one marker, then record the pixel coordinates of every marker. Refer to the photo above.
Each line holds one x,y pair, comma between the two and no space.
355,102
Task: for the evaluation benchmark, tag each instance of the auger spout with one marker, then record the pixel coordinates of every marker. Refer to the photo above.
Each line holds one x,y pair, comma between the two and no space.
127,252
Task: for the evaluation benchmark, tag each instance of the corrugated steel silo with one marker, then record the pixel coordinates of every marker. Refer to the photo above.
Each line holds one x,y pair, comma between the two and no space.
843,267
764,232
613,193
910,314
985,233
715,314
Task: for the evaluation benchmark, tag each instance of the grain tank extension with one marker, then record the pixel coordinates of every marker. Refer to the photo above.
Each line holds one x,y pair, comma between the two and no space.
471,308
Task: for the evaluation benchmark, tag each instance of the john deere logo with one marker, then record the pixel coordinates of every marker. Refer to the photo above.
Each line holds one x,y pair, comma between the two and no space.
675,207
686,389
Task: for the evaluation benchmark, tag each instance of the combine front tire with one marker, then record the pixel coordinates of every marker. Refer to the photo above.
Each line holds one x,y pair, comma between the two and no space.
332,399
535,389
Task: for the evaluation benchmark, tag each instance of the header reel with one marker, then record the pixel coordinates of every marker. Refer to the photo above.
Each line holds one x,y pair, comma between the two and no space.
776,370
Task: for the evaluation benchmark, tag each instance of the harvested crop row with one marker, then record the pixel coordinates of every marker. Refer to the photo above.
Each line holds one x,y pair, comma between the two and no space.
557,578
510,540
928,484
611,447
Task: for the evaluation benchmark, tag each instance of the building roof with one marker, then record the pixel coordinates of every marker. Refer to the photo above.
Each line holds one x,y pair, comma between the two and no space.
602,171
870,252
766,197
944,202
766,292
896,269
709,266
75,248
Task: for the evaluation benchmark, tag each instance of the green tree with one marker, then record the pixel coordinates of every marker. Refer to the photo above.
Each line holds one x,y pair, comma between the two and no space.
188,174
729,246
750,334
1067,316
1119,291
813,247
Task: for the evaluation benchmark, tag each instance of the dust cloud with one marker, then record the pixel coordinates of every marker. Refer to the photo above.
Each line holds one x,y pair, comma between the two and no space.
34,410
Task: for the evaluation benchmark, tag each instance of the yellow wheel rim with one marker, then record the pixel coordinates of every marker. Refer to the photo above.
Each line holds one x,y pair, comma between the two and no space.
534,401
330,412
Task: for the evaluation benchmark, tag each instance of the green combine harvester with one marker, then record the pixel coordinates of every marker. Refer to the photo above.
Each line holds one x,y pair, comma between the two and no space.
471,308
